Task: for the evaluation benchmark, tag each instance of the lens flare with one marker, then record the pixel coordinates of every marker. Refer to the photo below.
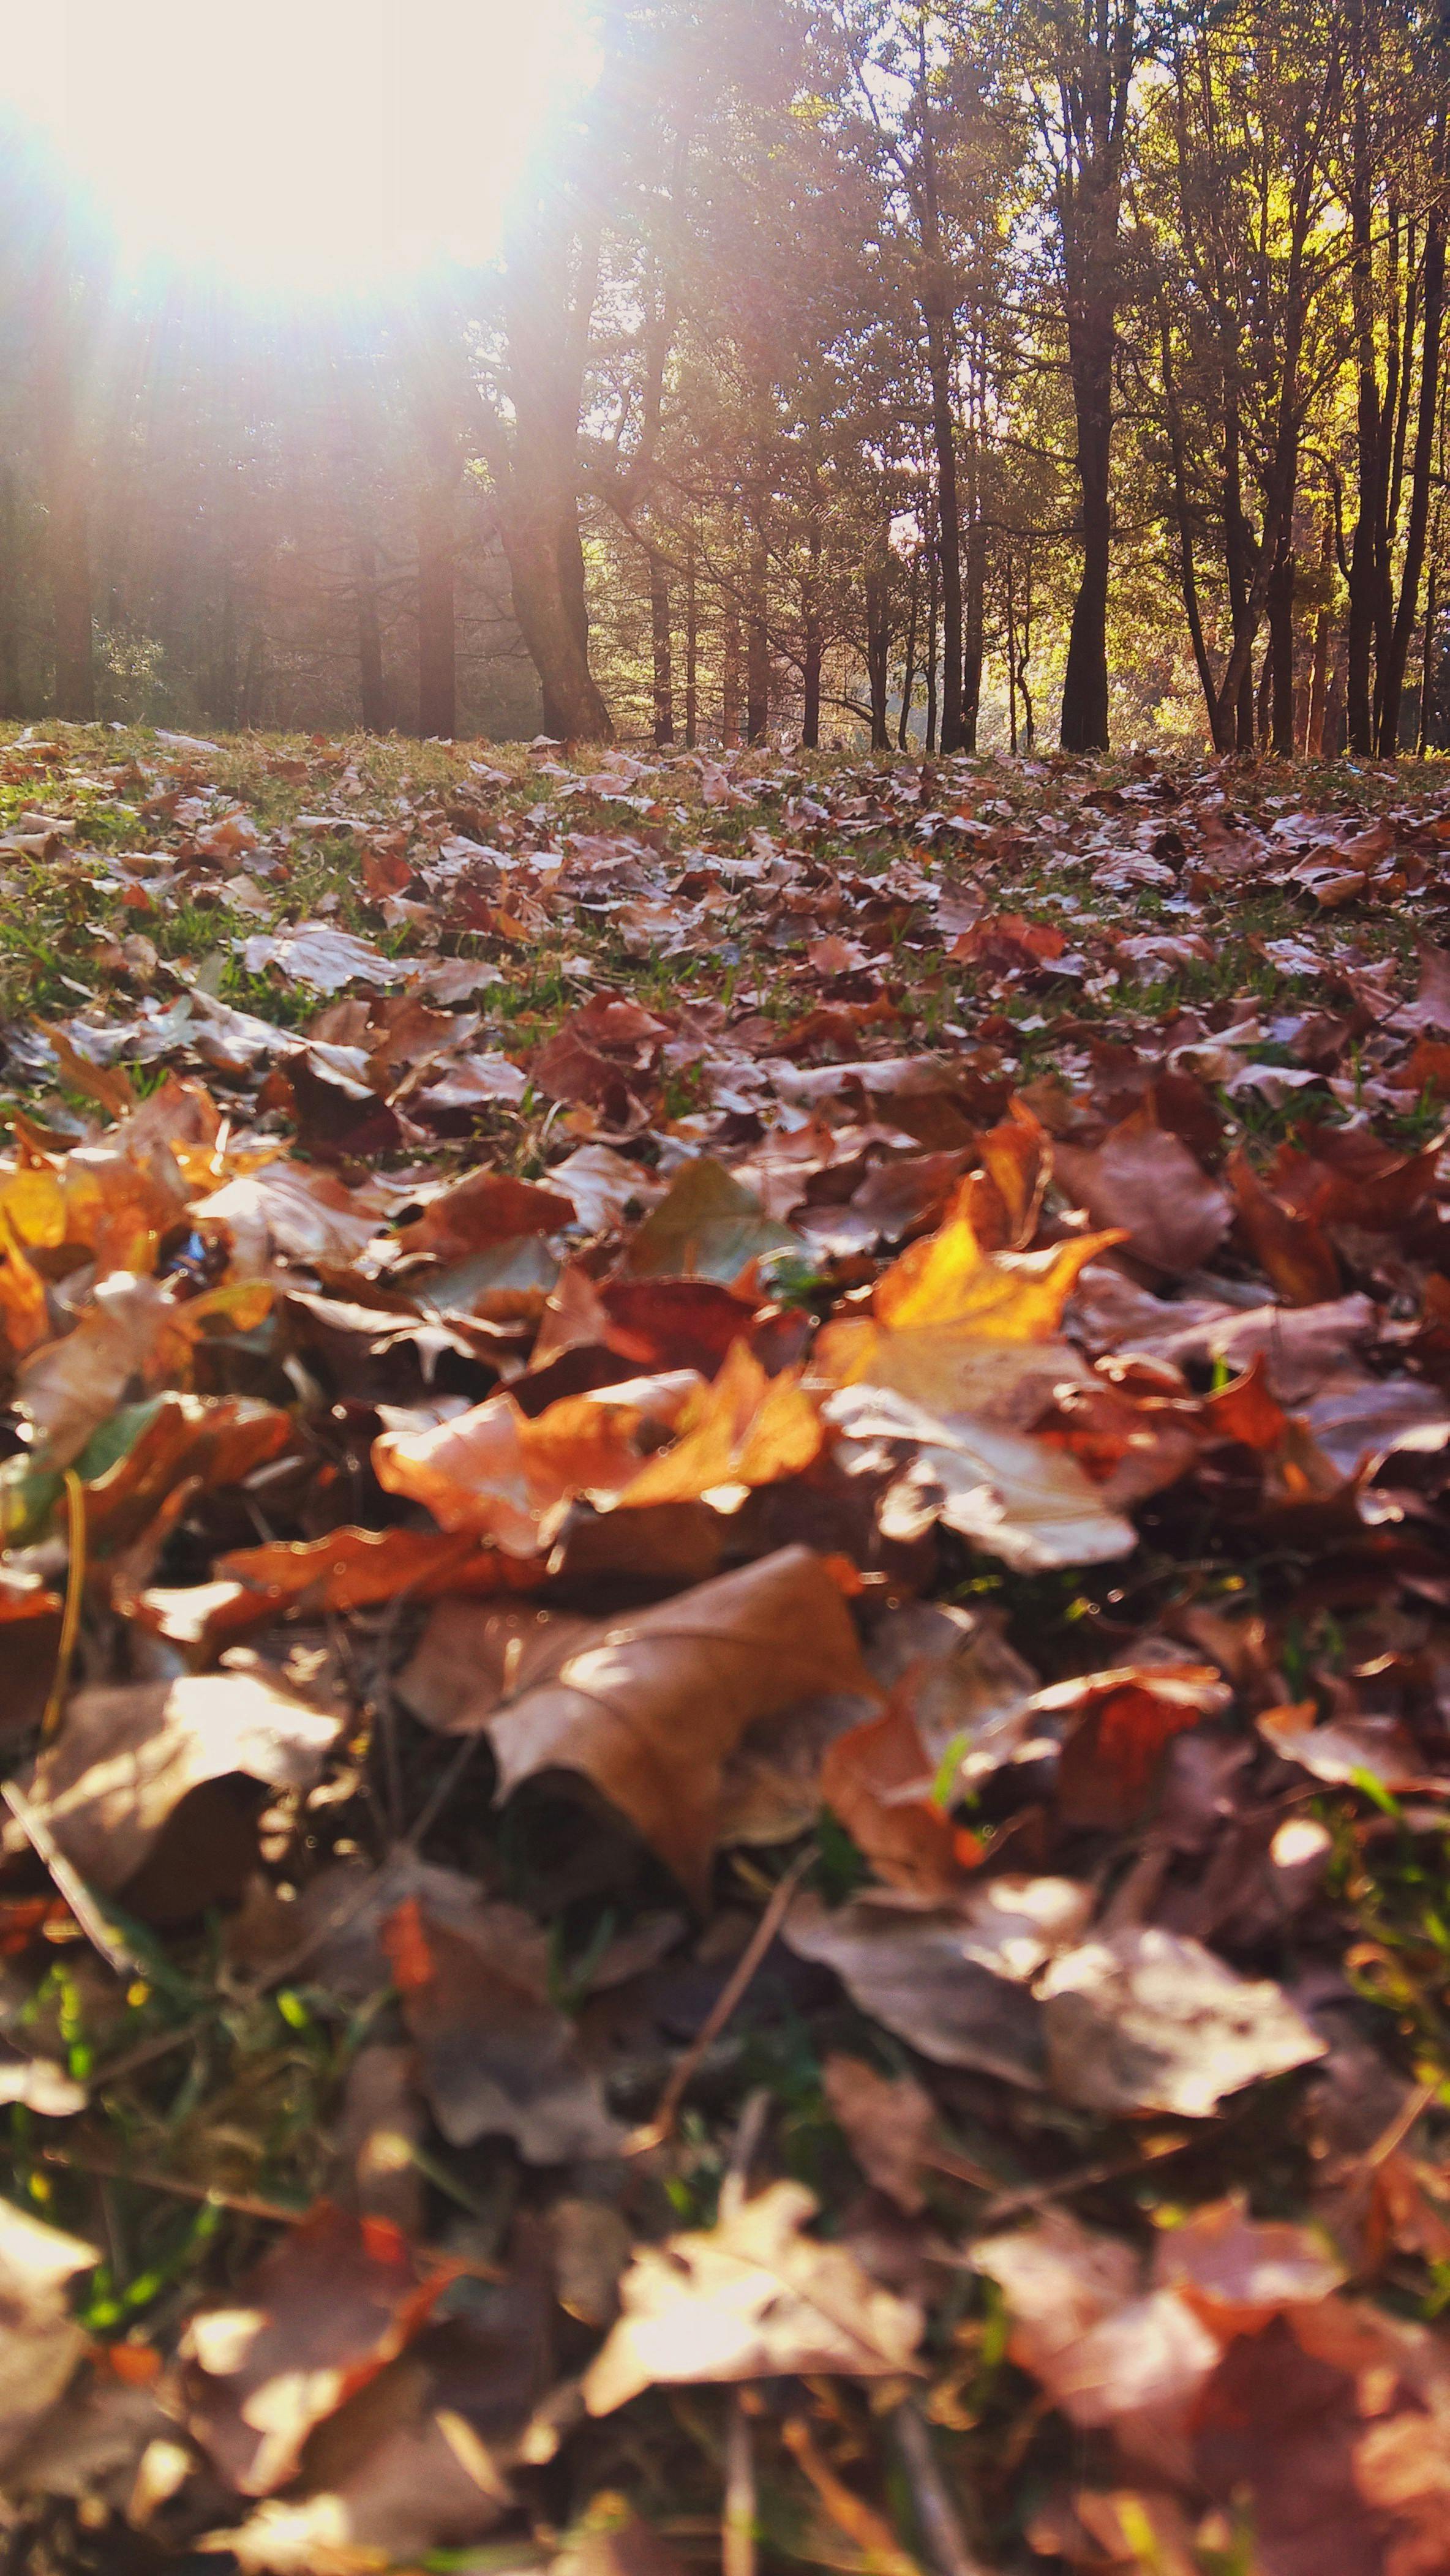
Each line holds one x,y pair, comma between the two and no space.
295,147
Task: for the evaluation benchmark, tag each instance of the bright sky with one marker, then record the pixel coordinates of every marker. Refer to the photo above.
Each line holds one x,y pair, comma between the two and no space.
295,146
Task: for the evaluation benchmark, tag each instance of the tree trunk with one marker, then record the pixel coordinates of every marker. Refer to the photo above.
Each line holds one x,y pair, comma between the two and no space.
437,641
908,676
377,714
692,646
10,593
972,613
1365,554
811,677
1426,727
730,659
67,494
878,647
1281,650
1334,723
1393,675
1187,566
253,678
663,669
757,646
546,568
1011,662
936,297
1084,724
933,570
1319,669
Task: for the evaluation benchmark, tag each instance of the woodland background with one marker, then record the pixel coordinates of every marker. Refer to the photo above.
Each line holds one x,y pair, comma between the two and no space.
958,376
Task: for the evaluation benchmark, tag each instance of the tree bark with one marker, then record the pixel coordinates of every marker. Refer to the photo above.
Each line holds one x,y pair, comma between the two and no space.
1365,553
660,651
1084,725
1319,672
10,704
878,646
908,676
546,569
692,646
437,639
1281,650
1426,727
937,301
1393,674
549,293
67,487
972,614
757,645
732,649
377,714
933,569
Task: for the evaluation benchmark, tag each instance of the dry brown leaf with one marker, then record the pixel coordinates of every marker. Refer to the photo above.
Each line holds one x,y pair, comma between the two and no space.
499,2058
481,1210
470,1659
877,1781
331,2303
41,2343
1345,1749
750,2298
1146,2020
956,1988
744,1430
888,2121
500,1474
351,1568
649,1707
1015,1497
126,1760
1143,1179
1122,1723
706,1227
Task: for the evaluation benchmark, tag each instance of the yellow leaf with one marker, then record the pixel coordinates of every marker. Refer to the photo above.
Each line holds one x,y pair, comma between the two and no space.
948,1282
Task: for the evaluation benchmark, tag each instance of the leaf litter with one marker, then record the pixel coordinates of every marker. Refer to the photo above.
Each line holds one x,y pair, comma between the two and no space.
729,1714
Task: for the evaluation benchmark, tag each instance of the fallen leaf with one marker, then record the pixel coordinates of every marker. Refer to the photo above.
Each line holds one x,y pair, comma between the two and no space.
314,953
751,2298
1143,1179
497,1473
126,1759
962,2000
499,2057
888,2122
647,1708
42,2342
706,1227
480,1211
324,2311
1015,1497
877,1782
1146,2020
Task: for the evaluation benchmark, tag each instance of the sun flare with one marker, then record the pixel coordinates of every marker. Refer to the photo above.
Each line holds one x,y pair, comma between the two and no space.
297,146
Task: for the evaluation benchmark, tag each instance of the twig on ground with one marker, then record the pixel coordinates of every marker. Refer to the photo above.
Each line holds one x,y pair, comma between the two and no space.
870,2531
935,2511
1398,2129
662,2125
102,1935
737,2530
75,1504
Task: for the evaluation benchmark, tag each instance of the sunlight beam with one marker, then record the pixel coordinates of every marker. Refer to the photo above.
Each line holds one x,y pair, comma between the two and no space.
295,147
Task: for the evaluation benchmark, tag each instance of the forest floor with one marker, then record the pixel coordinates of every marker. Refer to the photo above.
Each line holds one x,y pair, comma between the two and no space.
725,1603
